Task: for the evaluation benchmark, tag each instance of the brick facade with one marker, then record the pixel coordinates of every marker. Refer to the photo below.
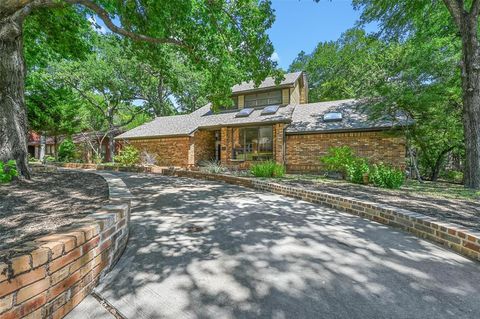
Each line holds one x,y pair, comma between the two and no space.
170,151
204,143
304,151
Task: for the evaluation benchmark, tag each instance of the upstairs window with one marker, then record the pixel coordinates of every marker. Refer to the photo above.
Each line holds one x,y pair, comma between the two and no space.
263,99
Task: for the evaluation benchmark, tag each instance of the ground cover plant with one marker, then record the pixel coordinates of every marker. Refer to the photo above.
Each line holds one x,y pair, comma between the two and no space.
7,171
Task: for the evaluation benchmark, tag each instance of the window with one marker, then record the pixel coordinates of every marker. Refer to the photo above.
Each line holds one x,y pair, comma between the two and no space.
252,143
263,99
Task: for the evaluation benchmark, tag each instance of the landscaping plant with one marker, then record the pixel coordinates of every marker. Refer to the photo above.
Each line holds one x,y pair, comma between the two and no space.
267,169
128,156
386,176
66,151
357,170
8,171
339,159
213,167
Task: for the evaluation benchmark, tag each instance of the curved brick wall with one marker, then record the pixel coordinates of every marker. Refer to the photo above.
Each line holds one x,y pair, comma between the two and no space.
62,269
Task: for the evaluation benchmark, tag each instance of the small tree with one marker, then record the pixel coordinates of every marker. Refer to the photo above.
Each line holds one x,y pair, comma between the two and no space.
67,150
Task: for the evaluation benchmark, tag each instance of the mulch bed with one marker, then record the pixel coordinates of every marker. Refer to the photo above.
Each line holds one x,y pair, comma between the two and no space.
46,203
460,211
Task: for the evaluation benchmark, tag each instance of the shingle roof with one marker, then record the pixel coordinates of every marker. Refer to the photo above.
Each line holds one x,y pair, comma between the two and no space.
289,80
203,118
302,118
309,117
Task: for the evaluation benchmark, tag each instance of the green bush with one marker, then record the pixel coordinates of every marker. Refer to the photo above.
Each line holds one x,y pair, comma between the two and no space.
49,158
128,156
267,169
339,159
357,170
386,176
8,171
66,151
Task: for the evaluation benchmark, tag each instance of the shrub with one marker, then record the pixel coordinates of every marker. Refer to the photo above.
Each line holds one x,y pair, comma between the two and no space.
357,170
66,151
339,159
267,169
49,158
8,171
128,156
386,176
213,167
453,176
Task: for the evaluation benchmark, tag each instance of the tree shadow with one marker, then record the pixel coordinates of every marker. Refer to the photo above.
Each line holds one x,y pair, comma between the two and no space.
262,255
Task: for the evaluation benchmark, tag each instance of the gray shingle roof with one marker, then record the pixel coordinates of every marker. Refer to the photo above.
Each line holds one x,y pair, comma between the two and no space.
303,118
269,82
309,117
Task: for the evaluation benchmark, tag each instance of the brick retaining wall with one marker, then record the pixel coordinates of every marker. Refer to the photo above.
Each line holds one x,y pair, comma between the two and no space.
464,241
59,270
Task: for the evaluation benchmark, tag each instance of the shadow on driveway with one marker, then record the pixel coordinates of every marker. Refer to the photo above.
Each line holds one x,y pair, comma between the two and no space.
263,255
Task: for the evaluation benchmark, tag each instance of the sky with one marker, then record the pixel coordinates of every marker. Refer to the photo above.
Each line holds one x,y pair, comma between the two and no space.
302,24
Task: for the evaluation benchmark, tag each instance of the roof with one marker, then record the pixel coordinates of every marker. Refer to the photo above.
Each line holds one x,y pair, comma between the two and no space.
303,118
269,82
204,117
309,118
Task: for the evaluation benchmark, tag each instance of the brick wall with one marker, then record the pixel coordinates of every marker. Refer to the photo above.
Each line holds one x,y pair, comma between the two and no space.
303,151
59,270
204,146
170,151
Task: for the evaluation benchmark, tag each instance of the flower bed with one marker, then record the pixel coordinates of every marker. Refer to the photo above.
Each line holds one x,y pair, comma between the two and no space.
61,269
463,240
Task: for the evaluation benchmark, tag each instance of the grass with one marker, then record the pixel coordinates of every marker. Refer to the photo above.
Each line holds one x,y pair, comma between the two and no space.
435,189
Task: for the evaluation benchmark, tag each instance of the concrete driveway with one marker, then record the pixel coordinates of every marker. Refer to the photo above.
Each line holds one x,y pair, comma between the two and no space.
263,255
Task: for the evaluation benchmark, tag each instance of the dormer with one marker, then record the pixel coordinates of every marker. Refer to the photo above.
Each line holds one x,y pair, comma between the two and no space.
292,90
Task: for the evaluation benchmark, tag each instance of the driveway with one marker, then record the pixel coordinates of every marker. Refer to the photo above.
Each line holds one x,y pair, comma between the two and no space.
262,255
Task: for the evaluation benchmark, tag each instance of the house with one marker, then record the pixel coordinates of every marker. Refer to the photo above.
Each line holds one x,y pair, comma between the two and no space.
270,122
84,142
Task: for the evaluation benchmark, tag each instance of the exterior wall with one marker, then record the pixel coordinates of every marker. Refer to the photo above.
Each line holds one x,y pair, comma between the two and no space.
170,151
304,90
241,101
278,151
303,151
295,94
204,146
285,96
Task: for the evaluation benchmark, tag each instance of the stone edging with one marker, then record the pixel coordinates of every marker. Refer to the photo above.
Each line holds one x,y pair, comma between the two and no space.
60,270
101,167
464,241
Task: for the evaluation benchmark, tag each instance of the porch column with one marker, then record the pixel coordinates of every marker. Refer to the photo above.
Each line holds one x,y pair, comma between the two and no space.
278,151
225,145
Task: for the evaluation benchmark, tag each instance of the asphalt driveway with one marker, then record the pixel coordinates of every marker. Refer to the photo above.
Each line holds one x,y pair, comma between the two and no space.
262,255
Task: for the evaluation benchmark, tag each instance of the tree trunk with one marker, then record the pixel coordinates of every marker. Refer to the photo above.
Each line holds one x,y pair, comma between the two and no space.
13,115
43,140
471,103
111,145
413,157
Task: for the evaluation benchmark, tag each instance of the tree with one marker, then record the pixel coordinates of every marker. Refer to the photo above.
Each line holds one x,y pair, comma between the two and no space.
406,19
106,82
414,77
220,36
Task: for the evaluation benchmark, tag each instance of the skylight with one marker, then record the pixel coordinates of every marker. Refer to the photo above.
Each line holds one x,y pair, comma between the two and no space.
244,112
332,117
271,109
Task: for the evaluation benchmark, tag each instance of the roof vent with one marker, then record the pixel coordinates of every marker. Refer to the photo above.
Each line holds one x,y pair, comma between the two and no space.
244,112
271,109
332,117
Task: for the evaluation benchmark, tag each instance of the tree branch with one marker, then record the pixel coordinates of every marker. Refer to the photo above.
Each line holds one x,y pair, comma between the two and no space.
455,7
104,15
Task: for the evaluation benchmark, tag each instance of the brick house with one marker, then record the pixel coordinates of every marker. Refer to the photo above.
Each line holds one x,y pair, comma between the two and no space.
270,122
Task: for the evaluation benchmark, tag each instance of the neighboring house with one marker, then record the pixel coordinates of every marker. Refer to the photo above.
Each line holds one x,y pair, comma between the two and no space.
269,122
83,142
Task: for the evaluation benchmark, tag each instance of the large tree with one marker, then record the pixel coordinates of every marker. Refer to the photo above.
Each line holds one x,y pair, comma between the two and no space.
218,35
406,18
